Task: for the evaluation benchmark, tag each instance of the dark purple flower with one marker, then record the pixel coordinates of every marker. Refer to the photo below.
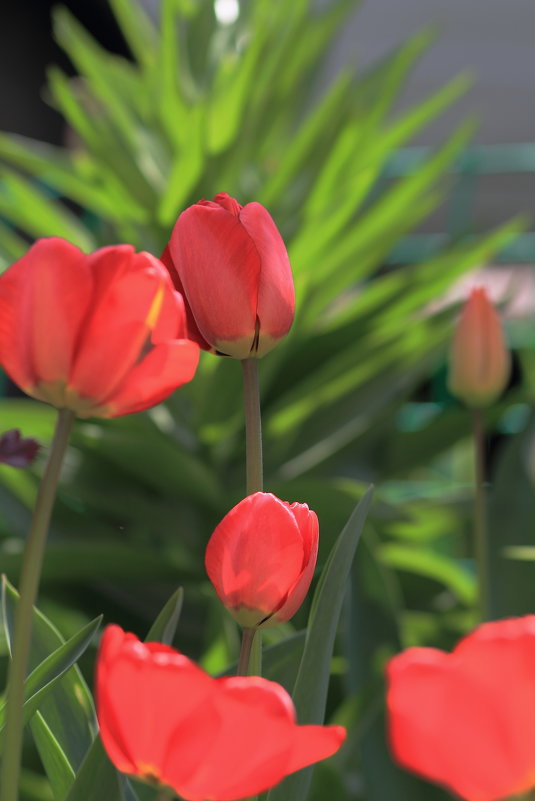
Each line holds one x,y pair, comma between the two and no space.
16,451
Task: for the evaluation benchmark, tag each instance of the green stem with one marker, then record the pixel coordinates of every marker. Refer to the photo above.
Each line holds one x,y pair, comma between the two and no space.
250,662
248,636
29,583
253,426
481,548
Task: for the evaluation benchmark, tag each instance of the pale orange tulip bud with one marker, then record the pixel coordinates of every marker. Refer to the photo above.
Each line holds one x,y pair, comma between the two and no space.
480,363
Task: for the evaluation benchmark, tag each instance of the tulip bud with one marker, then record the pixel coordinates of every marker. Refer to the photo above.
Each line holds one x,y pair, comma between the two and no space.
261,559
231,265
480,363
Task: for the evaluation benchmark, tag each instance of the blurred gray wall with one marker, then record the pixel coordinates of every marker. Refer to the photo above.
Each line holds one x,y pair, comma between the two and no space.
493,39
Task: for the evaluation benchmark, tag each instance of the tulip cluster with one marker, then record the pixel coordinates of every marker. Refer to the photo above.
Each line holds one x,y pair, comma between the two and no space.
107,334
467,719
165,720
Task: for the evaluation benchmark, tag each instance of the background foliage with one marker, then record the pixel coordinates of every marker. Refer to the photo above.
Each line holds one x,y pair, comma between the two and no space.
356,393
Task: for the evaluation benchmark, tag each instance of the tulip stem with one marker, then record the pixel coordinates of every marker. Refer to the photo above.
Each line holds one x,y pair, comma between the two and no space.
480,516
253,426
247,639
29,584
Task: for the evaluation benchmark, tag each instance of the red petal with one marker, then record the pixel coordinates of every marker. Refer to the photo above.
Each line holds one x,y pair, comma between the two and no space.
143,695
252,747
165,368
276,294
255,554
219,268
44,299
309,530
229,203
258,742
480,701
119,326
191,330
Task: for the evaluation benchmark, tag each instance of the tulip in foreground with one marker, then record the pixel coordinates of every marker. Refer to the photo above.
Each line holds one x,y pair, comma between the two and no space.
467,719
165,720
102,334
479,362
231,265
261,559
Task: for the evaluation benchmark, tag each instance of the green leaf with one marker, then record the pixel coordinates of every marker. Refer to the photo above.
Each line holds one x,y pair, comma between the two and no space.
510,520
43,678
164,627
63,728
310,691
34,210
97,779
433,565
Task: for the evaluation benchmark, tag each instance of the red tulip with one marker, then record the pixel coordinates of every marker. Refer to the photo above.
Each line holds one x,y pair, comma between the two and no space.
231,265
164,719
102,334
261,559
480,363
467,719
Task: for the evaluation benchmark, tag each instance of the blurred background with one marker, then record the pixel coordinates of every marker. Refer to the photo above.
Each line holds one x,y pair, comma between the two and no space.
354,124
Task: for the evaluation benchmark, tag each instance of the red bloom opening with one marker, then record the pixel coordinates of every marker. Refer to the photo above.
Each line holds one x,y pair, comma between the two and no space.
467,719
101,334
161,717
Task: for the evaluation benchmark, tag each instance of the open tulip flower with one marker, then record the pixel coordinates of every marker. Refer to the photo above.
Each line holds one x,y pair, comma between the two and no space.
231,265
479,363
467,719
102,334
165,720
261,559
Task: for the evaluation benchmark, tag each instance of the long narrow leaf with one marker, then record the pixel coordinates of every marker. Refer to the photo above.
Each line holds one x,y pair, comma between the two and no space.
310,691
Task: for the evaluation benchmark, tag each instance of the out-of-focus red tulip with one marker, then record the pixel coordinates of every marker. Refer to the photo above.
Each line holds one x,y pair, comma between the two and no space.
261,559
164,719
17,451
102,334
479,362
231,265
467,719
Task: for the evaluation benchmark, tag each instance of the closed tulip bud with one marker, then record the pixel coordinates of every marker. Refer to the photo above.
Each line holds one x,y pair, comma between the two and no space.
466,720
480,363
231,265
261,559
102,334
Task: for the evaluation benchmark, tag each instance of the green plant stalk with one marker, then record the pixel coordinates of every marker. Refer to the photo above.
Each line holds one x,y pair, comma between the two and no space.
244,662
253,427
481,547
250,662
29,584
251,652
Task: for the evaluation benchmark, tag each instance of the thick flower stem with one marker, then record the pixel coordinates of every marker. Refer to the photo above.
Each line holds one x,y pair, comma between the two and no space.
248,636
480,516
253,426
29,583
